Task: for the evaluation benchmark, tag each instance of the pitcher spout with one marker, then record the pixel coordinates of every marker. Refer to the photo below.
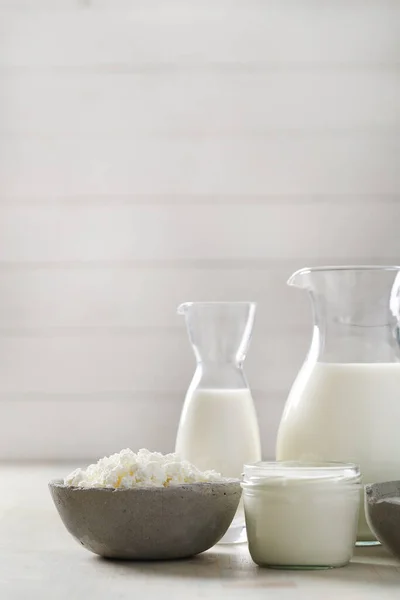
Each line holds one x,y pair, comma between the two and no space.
184,308
301,278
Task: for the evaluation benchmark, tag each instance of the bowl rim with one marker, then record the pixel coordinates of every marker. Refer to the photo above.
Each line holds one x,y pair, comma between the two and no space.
59,484
372,491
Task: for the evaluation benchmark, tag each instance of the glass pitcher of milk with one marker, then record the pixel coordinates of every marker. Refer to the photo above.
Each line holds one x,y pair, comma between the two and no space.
218,428
345,403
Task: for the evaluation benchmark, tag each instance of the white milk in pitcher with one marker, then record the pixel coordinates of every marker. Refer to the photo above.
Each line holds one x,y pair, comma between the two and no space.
219,430
345,412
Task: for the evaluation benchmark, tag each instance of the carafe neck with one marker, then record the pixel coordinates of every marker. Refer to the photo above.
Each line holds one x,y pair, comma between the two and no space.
219,375
219,331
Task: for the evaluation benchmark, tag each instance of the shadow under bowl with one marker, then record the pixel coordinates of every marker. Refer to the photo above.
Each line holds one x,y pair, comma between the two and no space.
382,509
148,523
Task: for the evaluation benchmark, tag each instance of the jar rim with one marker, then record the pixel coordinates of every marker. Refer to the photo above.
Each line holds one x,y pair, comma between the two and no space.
296,470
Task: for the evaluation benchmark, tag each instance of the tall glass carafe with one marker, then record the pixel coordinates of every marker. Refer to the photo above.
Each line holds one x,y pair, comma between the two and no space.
345,403
218,428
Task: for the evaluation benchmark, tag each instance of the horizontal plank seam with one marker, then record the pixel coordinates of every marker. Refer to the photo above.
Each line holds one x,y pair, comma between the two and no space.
49,331
173,134
113,200
222,68
238,264
76,7
119,396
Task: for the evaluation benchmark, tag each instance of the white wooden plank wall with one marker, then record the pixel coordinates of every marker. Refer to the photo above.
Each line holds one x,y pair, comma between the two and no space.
153,152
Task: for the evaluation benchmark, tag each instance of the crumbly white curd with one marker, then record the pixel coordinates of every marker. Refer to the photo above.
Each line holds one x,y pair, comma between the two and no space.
128,469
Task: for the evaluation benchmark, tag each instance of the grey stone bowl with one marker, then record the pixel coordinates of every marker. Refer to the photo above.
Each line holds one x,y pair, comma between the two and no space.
382,509
146,523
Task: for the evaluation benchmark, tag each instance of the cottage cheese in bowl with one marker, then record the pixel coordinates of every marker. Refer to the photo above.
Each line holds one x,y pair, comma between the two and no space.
128,469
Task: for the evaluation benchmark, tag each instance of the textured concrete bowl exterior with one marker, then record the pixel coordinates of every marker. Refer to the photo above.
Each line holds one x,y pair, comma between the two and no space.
148,523
382,508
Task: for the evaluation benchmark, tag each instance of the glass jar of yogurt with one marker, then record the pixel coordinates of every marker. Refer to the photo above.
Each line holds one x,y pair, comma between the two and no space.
301,515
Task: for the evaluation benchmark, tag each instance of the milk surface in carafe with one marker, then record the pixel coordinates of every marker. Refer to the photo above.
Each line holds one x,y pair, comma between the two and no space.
345,412
219,430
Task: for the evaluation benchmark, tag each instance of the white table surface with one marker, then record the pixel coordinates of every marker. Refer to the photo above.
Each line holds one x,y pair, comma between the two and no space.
40,560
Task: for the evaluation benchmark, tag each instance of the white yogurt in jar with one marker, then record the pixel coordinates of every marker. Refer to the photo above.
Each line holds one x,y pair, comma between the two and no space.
301,515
